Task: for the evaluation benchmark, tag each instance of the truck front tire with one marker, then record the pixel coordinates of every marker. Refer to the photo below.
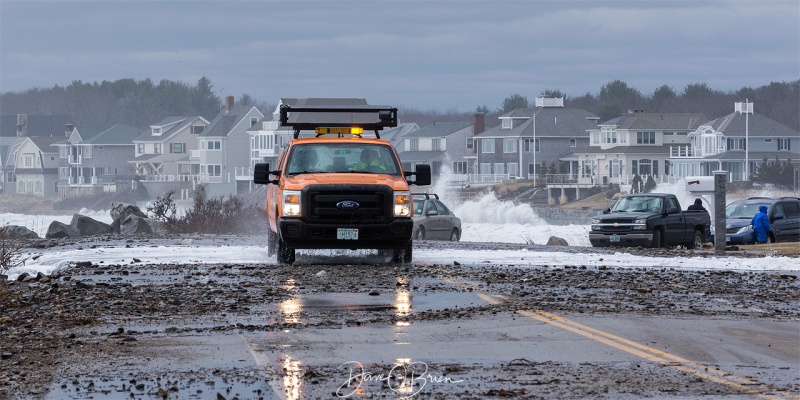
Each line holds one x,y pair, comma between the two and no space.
286,254
402,255
656,239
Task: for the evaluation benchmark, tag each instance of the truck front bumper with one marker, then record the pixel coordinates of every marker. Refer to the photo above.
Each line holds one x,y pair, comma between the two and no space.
621,239
299,234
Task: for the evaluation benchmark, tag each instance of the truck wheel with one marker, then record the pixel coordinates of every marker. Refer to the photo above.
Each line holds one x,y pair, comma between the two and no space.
286,254
454,235
697,240
402,254
656,239
421,233
272,242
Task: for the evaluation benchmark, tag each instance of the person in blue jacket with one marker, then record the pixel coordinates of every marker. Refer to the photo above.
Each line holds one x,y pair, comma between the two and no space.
761,224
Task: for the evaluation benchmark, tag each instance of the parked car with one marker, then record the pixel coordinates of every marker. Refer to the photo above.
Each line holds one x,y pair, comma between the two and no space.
433,220
784,219
649,220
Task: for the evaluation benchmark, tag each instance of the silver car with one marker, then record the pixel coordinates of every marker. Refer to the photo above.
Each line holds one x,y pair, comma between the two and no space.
433,220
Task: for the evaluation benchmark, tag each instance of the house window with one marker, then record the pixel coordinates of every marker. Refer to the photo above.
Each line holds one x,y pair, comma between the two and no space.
157,131
213,145
510,145
177,148
645,138
213,170
436,144
784,144
140,148
470,143
528,145
253,121
507,124
27,160
595,138
460,167
487,146
197,129
668,133
767,140
157,148
736,144
609,134
413,144
513,169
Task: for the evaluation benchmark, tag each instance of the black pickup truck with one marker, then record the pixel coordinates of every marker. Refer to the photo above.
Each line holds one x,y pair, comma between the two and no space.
649,220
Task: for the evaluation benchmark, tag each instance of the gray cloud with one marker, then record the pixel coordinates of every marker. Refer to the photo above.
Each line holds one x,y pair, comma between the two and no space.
437,54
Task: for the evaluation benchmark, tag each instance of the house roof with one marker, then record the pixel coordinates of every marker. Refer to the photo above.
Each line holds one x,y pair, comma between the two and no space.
38,125
439,129
183,122
118,134
736,124
224,122
396,134
418,155
658,121
44,143
549,122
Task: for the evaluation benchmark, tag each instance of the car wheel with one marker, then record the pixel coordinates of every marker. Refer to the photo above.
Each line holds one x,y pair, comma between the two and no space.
454,235
286,254
656,239
697,240
402,254
421,233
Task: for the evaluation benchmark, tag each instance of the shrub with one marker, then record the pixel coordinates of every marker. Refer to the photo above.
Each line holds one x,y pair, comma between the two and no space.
10,251
214,216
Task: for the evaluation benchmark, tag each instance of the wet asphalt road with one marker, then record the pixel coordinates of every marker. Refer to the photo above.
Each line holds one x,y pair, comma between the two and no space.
370,329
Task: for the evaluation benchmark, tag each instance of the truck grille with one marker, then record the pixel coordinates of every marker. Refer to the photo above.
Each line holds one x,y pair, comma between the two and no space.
374,203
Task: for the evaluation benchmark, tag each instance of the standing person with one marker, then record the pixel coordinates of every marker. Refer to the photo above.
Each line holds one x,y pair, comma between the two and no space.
697,206
761,224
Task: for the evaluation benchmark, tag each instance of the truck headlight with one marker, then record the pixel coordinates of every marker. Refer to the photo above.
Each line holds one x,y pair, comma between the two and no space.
745,229
291,203
402,204
595,222
640,224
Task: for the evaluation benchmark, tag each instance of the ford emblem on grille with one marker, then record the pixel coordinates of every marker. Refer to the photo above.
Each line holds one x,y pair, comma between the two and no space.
347,205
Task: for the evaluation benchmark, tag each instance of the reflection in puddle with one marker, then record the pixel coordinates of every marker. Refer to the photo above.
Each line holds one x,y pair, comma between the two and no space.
292,379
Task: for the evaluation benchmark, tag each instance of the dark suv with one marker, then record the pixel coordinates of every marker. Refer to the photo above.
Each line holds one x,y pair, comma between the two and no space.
784,219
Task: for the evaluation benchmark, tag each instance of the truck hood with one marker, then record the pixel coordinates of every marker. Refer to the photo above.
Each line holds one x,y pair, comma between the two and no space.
622,217
299,181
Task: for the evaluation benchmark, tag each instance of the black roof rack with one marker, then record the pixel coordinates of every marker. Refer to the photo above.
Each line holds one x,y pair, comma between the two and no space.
370,118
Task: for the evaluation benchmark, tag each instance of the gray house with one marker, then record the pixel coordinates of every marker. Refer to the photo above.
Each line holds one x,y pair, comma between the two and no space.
442,145
95,161
223,152
529,139
737,143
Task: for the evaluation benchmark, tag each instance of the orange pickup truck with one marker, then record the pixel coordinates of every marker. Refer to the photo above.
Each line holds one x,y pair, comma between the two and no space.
338,189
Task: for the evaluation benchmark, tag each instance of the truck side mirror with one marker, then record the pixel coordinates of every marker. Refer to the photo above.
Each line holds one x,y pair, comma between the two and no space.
423,175
261,174
778,216
607,210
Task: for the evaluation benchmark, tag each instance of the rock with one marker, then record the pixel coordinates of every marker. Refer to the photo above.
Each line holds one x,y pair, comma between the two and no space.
556,241
135,225
60,230
88,226
19,232
121,211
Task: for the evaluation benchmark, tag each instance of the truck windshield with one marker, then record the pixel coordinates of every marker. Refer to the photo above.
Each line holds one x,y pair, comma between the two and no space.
638,204
342,157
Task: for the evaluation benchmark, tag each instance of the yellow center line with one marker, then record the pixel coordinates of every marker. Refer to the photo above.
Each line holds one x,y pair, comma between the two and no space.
646,352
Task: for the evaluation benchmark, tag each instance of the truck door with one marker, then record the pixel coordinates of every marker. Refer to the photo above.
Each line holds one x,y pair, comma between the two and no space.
674,223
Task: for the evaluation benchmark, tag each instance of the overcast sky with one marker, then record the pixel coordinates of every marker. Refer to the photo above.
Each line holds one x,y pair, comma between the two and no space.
443,55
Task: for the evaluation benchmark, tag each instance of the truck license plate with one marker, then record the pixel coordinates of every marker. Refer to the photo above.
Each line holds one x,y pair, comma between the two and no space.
347,234
613,238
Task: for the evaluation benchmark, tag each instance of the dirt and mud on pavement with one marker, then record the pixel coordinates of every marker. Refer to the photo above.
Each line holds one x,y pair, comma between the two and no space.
372,329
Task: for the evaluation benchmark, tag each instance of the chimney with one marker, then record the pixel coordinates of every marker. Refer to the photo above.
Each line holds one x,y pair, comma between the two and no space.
228,103
480,123
22,125
68,129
